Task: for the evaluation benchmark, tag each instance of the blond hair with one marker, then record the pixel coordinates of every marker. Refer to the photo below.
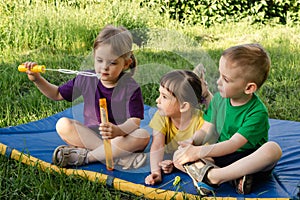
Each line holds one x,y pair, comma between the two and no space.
120,40
252,58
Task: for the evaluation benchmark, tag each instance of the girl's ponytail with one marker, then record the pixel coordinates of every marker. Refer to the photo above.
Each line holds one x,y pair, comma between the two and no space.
206,95
133,65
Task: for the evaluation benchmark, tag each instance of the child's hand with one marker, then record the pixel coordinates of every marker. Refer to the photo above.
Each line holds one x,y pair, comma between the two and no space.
109,130
185,143
33,76
153,179
187,154
166,166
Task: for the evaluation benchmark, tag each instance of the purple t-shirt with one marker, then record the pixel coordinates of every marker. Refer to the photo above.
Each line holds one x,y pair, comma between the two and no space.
123,101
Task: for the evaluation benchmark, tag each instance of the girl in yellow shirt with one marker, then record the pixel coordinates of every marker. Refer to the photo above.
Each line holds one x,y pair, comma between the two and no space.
177,118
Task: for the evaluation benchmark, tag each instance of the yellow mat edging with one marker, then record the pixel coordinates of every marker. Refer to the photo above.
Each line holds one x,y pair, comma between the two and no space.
118,184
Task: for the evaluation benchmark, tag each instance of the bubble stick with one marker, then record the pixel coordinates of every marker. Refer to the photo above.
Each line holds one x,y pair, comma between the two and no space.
107,144
36,68
42,68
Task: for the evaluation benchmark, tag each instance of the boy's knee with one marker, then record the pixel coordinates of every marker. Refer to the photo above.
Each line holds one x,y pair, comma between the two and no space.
275,148
272,150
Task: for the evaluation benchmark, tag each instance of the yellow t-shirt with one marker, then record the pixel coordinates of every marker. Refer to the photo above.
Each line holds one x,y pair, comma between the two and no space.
172,134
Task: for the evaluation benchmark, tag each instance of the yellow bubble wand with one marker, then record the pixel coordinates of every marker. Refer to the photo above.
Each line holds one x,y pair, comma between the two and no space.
106,142
42,69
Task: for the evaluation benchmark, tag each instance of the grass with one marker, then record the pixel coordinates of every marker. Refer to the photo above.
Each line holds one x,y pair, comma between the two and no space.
19,181
61,36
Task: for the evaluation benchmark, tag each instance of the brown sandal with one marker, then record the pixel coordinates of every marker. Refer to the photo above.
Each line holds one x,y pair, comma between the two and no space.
243,185
199,176
61,156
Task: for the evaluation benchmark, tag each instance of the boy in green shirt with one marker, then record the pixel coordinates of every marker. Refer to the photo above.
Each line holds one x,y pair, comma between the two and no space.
236,127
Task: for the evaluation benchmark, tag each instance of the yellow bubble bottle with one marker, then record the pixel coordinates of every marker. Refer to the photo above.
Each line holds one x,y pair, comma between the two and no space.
106,142
36,68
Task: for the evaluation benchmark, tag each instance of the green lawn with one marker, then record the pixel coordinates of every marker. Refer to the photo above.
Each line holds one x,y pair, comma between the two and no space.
60,37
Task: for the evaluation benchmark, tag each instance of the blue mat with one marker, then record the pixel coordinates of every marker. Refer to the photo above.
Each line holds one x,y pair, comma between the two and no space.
38,139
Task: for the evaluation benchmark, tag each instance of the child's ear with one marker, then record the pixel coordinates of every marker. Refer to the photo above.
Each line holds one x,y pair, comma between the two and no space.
185,106
127,63
250,88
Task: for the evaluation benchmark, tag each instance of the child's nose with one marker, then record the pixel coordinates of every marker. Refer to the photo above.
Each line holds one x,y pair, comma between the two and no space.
157,100
219,81
105,65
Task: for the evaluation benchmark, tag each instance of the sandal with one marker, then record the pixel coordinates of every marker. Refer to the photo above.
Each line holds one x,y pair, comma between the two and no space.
62,154
243,185
134,160
199,177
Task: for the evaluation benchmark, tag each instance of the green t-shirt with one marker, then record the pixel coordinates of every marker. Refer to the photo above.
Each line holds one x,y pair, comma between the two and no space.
250,120
172,134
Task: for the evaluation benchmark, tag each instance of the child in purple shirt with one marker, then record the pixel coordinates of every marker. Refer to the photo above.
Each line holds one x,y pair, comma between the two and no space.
113,57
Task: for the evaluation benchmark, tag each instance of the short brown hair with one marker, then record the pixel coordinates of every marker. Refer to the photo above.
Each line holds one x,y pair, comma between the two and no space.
254,60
